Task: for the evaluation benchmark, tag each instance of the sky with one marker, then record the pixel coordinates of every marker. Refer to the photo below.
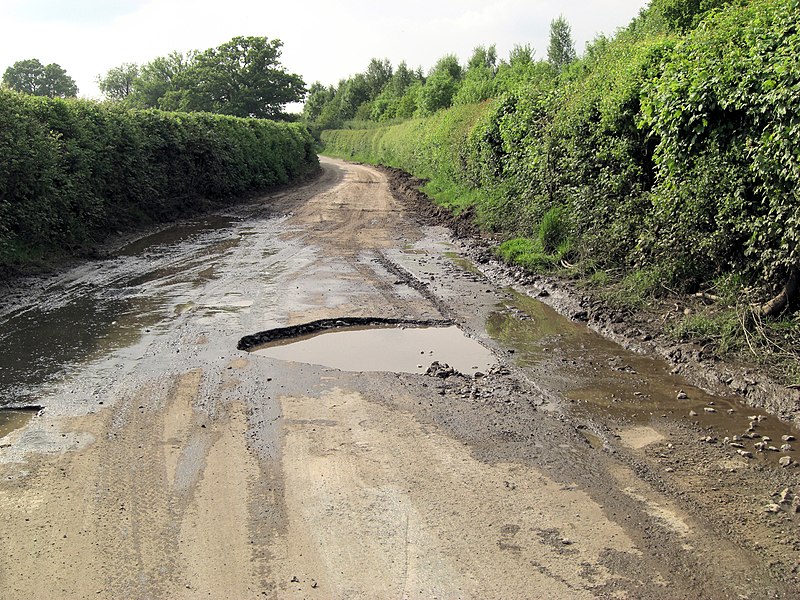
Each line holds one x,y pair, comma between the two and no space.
323,40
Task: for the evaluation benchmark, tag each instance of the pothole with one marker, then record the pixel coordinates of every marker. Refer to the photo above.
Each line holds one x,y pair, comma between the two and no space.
11,419
372,344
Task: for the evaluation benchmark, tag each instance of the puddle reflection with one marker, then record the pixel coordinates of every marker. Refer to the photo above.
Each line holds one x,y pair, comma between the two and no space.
393,349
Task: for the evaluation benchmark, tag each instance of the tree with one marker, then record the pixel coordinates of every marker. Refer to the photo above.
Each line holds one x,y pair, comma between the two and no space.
561,50
441,85
483,60
352,94
683,15
378,74
118,83
242,77
478,83
316,100
521,56
159,77
31,77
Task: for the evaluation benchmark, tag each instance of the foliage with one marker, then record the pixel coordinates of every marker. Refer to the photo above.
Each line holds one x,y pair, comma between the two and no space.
667,154
242,77
684,15
561,50
117,84
724,109
527,253
479,80
71,171
32,77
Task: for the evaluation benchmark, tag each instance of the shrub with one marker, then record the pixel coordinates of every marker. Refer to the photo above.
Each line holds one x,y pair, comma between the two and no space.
73,170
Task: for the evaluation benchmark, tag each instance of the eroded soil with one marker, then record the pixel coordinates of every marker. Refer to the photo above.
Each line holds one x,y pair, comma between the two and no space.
170,464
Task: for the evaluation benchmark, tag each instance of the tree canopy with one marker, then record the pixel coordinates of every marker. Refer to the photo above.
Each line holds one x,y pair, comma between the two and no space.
242,77
32,77
561,50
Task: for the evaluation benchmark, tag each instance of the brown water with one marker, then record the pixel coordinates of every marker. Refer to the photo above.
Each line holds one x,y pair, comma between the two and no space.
394,349
13,419
603,380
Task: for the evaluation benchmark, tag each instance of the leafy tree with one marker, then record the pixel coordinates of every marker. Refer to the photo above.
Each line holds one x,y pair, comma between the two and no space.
683,15
483,59
118,83
521,56
378,74
352,94
242,77
441,85
561,50
159,77
316,100
32,77
402,78
387,105
478,84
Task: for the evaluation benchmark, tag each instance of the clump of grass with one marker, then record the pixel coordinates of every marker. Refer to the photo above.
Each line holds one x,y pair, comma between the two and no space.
635,289
554,231
598,278
722,330
546,252
456,198
527,253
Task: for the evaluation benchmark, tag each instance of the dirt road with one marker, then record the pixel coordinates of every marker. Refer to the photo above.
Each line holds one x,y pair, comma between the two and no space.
169,464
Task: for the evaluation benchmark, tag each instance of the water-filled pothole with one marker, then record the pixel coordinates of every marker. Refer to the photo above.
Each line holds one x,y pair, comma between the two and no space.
364,344
13,419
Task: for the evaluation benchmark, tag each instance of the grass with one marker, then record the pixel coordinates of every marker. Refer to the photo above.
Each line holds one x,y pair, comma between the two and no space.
527,253
456,198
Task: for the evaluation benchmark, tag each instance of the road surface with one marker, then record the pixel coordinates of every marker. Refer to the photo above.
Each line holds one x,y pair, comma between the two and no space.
169,464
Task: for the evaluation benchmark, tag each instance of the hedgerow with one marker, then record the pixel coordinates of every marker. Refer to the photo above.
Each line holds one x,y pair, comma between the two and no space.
72,171
669,151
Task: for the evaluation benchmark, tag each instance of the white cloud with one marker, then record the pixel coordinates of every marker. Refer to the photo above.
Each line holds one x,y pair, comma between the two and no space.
323,40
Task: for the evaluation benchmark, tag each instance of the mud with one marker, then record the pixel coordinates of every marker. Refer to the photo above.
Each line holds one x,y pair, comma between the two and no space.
606,382
170,464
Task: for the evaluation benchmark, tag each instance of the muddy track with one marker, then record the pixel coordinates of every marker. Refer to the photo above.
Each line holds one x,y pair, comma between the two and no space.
170,463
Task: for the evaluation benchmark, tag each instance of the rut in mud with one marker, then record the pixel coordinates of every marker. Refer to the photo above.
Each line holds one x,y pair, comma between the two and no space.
170,462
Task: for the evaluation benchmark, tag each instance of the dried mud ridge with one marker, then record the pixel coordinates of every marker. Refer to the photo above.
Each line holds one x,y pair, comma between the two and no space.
249,342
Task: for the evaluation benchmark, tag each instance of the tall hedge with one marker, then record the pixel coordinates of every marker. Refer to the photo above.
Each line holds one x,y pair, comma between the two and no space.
676,153
71,171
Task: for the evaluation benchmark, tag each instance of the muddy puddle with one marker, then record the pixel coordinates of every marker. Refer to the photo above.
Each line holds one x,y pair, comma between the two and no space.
604,381
383,348
176,234
105,306
13,419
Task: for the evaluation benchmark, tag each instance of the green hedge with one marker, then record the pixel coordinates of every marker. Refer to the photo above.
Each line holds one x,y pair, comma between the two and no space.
71,171
666,153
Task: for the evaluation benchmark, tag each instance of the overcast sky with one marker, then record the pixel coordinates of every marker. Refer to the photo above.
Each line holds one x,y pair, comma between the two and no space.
324,40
